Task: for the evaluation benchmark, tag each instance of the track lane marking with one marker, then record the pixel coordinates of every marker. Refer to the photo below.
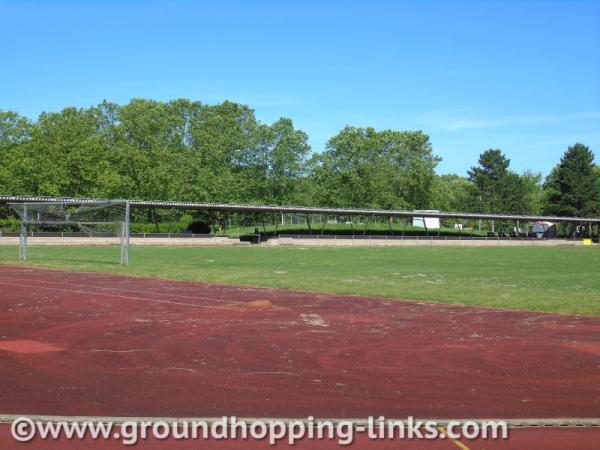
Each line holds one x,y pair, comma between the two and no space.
126,297
124,290
454,441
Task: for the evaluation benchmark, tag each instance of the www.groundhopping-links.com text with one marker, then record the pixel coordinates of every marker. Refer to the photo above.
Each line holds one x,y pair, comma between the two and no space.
130,432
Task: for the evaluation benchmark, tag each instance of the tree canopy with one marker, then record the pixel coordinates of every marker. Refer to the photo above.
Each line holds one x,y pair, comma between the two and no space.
572,188
365,168
187,150
496,188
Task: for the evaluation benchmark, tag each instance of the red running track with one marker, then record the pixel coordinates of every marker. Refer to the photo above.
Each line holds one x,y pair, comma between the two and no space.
106,345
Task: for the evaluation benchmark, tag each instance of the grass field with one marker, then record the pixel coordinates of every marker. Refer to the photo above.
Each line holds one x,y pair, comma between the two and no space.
542,279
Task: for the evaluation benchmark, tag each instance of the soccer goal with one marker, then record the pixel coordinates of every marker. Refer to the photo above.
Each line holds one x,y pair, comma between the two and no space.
98,218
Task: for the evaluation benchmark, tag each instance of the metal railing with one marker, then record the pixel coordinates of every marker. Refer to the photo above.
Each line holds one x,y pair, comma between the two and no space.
417,237
407,237
70,234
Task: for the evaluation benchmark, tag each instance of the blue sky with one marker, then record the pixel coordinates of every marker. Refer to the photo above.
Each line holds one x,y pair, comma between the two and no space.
521,76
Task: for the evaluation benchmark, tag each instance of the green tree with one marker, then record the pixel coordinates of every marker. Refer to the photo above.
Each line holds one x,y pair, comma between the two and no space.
531,195
520,193
281,153
66,155
572,186
362,167
452,192
155,147
15,130
497,189
147,148
224,143
490,180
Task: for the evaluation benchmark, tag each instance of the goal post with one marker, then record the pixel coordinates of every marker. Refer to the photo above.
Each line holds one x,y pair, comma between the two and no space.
125,235
95,218
23,235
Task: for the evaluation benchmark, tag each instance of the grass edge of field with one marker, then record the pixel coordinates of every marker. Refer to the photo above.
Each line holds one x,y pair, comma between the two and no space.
305,291
112,268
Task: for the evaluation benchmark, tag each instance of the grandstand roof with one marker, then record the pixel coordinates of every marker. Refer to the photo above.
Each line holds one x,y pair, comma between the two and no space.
247,208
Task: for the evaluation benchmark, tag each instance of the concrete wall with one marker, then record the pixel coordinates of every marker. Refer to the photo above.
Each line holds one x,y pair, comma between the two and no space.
135,242
423,241
285,241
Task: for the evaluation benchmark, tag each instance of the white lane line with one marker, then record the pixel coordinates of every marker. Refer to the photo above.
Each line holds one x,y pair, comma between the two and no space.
515,423
191,297
126,297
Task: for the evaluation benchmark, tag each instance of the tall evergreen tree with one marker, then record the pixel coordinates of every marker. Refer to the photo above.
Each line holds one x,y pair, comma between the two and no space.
489,178
572,188
497,189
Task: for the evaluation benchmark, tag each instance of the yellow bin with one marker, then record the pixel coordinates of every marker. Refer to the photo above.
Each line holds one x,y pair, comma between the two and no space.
587,242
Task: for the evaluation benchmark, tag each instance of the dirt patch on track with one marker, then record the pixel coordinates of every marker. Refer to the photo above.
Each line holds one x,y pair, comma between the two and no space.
29,346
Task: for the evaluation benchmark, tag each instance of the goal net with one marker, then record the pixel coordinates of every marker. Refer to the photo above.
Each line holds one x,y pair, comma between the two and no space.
92,219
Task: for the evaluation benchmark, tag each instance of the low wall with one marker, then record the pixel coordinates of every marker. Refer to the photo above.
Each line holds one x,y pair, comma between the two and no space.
284,241
135,242
420,242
